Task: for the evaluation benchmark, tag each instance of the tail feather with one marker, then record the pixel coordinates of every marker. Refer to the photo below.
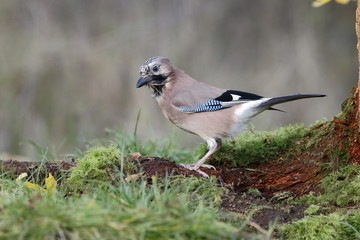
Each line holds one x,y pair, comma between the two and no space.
276,109
277,100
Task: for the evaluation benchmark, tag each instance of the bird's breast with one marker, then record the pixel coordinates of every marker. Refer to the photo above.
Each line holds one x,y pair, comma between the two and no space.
170,112
216,124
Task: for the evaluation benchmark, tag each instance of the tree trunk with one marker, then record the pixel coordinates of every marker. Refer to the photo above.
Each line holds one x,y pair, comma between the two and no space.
357,28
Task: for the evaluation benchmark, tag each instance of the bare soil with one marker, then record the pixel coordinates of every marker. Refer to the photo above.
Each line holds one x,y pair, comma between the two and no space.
276,182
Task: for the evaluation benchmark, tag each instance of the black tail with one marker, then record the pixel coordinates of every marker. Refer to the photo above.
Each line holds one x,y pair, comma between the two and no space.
277,100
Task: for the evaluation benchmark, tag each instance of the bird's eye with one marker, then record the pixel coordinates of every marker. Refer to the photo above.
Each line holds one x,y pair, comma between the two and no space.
155,69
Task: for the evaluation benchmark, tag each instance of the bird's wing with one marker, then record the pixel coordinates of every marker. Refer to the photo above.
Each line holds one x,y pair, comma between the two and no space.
188,101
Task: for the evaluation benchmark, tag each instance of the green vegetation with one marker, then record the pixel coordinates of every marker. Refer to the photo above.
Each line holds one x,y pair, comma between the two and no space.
207,189
341,188
338,225
98,201
126,211
312,209
256,146
99,166
166,148
347,107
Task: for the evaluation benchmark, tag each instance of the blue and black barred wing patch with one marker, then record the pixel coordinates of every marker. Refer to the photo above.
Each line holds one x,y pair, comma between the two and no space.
226,100
209,105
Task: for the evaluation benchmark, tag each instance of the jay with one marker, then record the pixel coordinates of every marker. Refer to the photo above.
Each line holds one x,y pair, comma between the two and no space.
209,112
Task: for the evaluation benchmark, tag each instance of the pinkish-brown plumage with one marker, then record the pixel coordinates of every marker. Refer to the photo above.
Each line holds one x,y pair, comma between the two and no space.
210,112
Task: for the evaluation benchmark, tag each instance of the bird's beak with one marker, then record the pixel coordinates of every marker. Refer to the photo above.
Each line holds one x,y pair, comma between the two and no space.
143,81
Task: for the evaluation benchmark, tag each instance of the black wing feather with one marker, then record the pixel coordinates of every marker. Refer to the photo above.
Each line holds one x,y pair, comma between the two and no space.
226,96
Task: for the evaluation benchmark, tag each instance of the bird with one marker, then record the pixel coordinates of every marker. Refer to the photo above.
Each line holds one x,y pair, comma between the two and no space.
211,113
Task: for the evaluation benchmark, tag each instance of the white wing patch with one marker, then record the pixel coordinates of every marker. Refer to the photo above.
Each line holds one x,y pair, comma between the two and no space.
245,112
235,97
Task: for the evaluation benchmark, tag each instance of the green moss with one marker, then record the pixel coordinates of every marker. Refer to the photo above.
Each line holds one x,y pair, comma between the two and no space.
340,188
347,107
341,191
333,226
254,191
340,155
312,209
99,166
253,147
203,188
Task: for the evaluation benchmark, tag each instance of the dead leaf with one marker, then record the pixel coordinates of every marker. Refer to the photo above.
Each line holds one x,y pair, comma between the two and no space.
135,155
21,176
134,177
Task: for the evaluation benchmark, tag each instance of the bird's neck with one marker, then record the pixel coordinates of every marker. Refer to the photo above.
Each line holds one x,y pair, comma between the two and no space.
157,90
160,90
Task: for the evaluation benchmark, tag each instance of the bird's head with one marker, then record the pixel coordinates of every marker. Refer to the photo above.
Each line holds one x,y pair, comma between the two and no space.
154,73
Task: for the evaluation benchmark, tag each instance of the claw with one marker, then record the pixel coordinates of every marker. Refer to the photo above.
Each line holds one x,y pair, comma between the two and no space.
192,167
208,166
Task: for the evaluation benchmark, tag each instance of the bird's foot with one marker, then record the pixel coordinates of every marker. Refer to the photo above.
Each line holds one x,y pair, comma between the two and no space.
208,166
193,167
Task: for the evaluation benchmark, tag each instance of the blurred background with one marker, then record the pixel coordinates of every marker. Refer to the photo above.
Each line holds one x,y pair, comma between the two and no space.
68,68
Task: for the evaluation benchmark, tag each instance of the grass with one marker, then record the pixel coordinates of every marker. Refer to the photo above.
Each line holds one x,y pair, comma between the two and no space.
167,209
125,211
97,202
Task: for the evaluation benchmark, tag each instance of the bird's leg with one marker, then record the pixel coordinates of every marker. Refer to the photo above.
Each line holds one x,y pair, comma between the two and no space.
213,145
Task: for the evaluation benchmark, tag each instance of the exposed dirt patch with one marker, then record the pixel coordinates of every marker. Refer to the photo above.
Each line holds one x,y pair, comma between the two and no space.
275,181
265,208
295,176
37,170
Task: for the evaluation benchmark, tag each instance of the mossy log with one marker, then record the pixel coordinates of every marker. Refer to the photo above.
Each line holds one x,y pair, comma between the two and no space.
357,28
